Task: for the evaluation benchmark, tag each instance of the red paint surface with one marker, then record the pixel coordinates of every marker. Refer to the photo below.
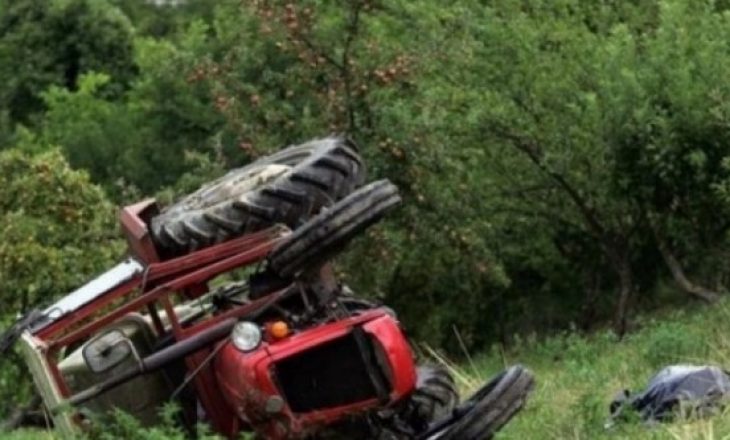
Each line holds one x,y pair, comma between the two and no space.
246,381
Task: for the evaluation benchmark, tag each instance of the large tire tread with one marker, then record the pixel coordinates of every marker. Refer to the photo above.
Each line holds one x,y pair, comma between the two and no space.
320,173
496,404
328,232
435,397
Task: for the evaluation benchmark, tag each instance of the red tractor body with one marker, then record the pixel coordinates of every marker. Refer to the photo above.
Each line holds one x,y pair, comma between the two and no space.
287,387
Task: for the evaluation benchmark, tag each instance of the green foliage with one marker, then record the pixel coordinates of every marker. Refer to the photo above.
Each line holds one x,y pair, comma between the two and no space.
44,43
552,156
544,149
57,231
57,228
165,19
28,434
93,130
139,141
123,426
672,343
578,376
556,118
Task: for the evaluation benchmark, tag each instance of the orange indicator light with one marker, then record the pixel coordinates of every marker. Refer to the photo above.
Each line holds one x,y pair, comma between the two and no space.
279,329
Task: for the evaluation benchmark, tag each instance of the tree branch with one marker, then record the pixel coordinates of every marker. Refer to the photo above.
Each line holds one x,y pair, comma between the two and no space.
353,29
675,267
534,153
319,52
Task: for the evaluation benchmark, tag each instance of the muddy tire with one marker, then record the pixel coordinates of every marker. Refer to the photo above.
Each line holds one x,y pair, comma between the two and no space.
285,187
492,407
434,398
327,233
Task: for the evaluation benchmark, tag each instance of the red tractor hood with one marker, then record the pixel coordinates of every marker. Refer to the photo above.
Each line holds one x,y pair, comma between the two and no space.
291,387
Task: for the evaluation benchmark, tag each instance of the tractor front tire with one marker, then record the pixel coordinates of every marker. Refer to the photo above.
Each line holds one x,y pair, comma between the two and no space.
492,407
326,234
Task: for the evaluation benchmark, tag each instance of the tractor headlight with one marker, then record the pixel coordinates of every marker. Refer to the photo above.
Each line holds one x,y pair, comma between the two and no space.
246,336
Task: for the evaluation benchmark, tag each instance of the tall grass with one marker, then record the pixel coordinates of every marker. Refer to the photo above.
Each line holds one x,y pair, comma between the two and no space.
577,376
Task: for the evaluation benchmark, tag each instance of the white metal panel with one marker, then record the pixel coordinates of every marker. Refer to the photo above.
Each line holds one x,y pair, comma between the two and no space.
95,288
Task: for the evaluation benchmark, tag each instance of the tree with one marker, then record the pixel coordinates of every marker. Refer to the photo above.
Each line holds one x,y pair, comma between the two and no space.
44,43
602,134
558,160
670,154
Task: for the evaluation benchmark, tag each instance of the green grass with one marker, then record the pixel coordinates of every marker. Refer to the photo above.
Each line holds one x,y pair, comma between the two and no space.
29,434
577,376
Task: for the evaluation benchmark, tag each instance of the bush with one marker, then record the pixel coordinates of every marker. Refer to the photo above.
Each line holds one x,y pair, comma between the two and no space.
58,230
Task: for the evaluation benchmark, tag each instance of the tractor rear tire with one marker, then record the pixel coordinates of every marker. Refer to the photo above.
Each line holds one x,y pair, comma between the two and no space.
494,406
324,235
286,187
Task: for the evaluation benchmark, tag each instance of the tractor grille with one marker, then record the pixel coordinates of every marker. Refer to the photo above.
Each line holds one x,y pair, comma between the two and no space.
330,375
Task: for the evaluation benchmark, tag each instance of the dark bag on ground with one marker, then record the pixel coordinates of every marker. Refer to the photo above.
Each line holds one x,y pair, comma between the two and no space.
687,390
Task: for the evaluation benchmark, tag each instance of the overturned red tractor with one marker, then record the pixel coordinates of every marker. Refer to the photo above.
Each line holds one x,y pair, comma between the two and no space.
228,305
